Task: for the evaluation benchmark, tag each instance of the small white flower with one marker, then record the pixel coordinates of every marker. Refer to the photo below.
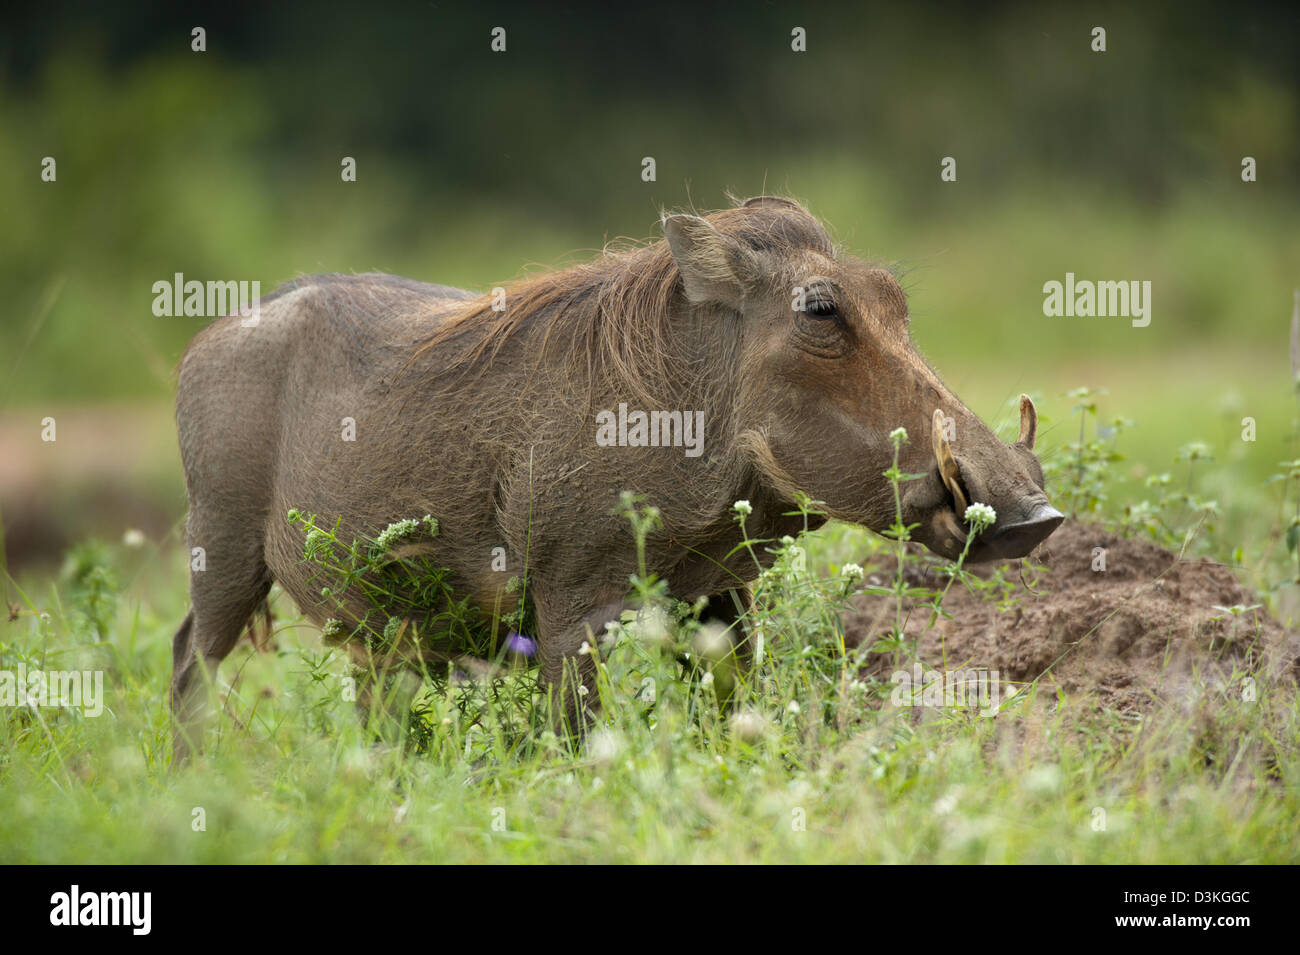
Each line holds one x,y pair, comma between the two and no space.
395,532
133,538
584,649
604,746
749,725
712,641
743,508
793,707
981,515
853,571
1043,780
898,435
582,691
706,680
654,626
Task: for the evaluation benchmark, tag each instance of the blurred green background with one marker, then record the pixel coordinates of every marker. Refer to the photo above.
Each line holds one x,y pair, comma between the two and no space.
473,166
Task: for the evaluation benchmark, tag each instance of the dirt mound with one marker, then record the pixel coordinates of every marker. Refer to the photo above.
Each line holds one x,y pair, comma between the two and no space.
1142,630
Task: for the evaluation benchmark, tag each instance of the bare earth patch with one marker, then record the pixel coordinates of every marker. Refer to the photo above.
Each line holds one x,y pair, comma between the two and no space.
1143,631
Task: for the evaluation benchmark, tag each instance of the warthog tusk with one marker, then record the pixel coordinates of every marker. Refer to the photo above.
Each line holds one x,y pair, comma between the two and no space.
948,469
1028,422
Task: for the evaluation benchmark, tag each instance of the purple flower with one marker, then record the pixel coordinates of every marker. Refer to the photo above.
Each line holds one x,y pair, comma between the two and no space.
518,643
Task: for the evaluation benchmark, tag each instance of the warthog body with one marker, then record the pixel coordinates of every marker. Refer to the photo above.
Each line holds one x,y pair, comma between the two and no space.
491,422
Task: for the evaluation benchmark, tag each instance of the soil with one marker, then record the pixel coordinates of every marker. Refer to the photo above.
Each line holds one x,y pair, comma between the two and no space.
1143,631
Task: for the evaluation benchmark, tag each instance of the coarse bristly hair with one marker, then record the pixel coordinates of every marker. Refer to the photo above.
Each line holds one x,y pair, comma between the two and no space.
614,314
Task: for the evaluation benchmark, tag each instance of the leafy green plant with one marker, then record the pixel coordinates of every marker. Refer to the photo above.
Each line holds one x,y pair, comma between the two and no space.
92,587
1175,512
379,585
1081,471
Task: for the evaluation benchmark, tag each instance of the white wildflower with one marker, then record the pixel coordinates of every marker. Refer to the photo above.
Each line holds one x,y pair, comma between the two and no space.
604,746
654,626
395,532
981,515
749,725
712,642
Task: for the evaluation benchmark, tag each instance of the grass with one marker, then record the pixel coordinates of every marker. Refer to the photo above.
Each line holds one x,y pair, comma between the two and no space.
815,767
291,778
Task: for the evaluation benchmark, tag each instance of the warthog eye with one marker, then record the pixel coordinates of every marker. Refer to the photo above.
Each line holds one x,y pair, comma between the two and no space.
822,308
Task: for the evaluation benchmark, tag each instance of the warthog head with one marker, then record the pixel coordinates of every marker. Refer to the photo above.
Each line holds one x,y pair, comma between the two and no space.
828,370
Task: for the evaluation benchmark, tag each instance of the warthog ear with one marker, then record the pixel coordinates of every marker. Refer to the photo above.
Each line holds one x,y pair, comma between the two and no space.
714,267
1028,422
771,201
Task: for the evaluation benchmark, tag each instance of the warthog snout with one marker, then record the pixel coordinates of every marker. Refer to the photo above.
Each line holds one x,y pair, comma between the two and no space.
1018,539
1006,477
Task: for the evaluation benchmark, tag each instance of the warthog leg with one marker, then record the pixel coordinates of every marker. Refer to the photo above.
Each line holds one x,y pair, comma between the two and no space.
727,608
568,676
225,592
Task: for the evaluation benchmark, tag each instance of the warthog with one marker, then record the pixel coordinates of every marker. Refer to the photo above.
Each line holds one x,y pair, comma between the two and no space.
373,398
